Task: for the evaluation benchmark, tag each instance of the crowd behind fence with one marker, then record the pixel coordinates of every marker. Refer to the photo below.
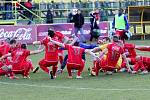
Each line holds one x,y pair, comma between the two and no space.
61,10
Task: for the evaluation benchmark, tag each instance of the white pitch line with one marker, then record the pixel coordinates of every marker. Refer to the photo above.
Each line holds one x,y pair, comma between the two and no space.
74,88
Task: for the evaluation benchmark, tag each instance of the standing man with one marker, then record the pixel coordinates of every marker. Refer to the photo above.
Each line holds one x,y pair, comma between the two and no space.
28,11
78,20
120,24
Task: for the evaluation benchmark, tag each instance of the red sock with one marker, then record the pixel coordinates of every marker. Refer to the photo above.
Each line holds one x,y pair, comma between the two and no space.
61,58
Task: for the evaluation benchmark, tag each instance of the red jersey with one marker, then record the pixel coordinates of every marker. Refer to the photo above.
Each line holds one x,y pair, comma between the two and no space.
145,60
51,50
74,54
19,56
59,37
18,46
128,47
4,48
114,52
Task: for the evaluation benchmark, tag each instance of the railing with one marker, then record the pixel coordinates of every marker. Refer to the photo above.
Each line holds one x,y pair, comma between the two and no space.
62,9
9,13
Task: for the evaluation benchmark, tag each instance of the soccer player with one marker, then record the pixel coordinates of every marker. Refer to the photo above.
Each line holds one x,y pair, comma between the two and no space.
19,62
143,64
129,51
4,68
110,56
59,37
75,60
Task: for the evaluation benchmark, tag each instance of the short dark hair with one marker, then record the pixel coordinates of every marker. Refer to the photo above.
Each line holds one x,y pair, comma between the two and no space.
115,38
24,46
13,41
51,33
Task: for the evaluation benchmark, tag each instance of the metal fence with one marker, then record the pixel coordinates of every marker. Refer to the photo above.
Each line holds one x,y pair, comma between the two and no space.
61,10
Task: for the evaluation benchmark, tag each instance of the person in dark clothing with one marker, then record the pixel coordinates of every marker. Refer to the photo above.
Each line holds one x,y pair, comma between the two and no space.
28,14
49,17
70,18
95,18
78,20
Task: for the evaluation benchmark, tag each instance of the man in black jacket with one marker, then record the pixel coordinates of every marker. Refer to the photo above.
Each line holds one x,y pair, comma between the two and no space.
78,20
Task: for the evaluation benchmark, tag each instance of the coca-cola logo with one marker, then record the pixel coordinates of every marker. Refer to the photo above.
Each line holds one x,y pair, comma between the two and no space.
20,33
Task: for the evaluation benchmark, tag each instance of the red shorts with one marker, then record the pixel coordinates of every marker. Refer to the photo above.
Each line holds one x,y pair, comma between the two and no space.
104,65
133,60
20,67
47,63
76,66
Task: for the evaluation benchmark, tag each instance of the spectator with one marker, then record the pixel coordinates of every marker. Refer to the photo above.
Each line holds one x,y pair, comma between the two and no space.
28,13
8,9
120,22
70,15
95,31
78,20
49,17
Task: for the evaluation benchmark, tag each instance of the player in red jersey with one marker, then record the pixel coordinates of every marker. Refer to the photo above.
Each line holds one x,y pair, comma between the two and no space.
143,64
19,62
129,51
112,52
59,37
51,56
75,60
5,69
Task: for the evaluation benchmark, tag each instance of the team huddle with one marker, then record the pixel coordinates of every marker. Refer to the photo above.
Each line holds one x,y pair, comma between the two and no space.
108,55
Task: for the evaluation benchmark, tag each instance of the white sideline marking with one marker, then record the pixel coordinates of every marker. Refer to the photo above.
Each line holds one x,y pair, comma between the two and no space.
73,88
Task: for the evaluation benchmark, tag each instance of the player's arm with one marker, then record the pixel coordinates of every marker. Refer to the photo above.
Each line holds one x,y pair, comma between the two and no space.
37,43
96,49
103,53
66,39
125,59
36,51
90,52
57,43
5,56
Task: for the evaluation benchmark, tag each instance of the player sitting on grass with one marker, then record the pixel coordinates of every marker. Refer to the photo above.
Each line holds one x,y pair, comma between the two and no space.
75,60
74,39
5,69
59,37
19,61
110,56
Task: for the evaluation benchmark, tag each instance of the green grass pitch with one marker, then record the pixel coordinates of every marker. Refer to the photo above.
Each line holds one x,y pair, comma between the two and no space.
119,86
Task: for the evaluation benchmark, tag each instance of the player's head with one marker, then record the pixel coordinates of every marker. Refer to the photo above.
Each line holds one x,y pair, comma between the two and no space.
106,40
115,38
78,11
51,33
24,46
13,43
120,11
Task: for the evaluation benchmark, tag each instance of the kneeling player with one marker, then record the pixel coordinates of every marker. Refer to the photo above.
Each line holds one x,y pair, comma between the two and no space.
75,60
19,61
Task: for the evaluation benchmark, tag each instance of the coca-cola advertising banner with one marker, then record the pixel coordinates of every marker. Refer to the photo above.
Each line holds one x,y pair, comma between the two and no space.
25,34
28,34
68,28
